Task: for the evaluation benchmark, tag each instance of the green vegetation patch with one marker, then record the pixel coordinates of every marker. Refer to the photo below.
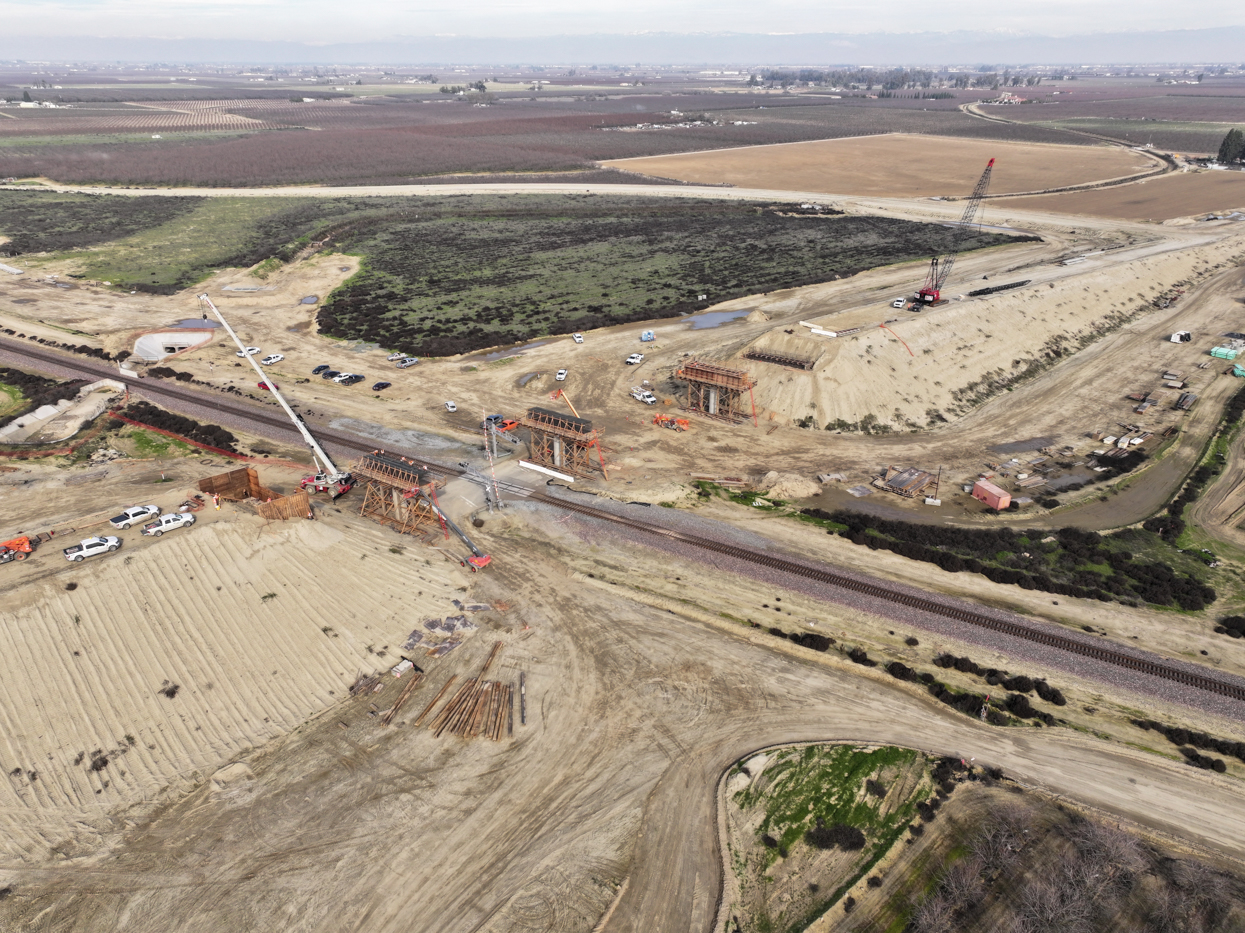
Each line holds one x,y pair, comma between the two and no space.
466,273
1067,562
45,221
815,820
151,444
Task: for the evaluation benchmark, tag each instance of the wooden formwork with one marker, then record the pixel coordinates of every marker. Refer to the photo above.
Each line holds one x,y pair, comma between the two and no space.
563,443
396,492
717,391
242,484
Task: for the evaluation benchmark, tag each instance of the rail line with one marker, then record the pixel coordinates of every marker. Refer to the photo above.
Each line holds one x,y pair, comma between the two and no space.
897,596
889,594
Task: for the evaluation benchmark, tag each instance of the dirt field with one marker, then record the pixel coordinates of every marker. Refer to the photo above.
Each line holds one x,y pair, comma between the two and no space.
641,691
1164,198
895,166
224,610
605,799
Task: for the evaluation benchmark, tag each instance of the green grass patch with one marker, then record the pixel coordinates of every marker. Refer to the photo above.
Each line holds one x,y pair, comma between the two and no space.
151,444
11,398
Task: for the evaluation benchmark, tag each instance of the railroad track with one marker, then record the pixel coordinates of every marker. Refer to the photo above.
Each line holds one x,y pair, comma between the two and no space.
877,591
1159,669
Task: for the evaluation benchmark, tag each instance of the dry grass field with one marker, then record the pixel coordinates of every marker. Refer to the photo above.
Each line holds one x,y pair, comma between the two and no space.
1163,198
895,165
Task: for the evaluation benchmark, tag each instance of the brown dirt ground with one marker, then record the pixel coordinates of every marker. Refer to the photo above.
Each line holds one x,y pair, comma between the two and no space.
895,165
607,795
1163,198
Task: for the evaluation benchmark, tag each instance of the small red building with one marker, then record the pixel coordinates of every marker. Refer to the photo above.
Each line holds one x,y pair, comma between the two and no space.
991,494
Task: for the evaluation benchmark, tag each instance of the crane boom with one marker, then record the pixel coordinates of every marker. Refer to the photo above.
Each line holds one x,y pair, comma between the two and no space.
940,266
328,475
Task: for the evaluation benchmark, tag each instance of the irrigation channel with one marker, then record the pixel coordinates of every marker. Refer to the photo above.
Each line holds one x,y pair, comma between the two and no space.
1155,668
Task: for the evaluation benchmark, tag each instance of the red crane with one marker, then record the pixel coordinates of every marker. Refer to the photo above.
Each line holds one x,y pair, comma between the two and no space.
940,266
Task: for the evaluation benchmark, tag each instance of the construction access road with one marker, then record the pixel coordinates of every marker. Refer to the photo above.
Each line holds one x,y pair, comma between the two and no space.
633,714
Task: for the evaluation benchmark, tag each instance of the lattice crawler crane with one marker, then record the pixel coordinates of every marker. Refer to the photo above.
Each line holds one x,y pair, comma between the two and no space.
940,266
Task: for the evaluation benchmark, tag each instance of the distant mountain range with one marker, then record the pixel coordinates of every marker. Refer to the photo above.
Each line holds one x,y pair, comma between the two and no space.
1224,45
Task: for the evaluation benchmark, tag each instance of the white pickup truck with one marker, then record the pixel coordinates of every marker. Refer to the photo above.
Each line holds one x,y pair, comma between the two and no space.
168,523
134,514
92,546
643,395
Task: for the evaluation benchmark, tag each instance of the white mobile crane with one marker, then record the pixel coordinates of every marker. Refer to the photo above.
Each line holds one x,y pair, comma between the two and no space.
328,478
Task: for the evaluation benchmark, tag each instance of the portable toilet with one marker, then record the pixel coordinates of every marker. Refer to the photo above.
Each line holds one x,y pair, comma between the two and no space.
648,336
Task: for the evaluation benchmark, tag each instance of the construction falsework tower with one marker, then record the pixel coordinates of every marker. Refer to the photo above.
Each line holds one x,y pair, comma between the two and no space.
399,492
563,442
718,391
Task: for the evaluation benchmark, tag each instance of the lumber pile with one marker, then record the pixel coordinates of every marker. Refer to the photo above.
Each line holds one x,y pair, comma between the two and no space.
479,707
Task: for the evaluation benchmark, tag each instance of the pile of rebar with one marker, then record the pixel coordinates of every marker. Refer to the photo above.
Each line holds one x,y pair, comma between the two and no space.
480,707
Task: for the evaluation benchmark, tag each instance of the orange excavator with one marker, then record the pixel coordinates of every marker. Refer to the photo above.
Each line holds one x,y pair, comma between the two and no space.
17,549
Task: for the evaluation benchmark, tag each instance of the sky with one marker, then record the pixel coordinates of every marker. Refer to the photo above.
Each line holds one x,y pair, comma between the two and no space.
331,21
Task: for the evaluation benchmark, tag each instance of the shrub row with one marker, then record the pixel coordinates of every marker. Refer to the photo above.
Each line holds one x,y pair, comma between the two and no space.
1181,736
996,678
81,348
1232,625
211,434
984,550
970,704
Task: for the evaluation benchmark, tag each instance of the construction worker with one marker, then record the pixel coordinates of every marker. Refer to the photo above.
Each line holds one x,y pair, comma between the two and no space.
216,501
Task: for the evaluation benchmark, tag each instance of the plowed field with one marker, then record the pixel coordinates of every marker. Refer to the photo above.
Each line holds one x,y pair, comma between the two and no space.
1154,199
895,165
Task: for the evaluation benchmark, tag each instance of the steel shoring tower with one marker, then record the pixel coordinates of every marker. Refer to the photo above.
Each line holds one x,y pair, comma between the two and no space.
940,266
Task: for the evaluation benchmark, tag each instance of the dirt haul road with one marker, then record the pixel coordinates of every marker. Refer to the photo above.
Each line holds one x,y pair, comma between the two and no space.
634,712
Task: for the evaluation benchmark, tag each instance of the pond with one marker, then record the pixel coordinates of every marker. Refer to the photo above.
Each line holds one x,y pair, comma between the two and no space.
708,319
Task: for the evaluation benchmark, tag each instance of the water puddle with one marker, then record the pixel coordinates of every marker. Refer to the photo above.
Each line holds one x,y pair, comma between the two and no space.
509,351
708,319
527,378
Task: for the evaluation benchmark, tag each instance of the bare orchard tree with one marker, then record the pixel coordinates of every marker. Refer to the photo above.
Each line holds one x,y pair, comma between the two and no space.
1051,907
935,914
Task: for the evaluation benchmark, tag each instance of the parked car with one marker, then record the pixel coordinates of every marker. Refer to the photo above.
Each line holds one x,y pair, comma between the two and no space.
501,422
578,338
329,374
897,303
272,358
249,351
89,547
135,513
266,387
643,395
450,406
407,363
348,379
634,358
381,385
561,376
168,523
395,356
319,369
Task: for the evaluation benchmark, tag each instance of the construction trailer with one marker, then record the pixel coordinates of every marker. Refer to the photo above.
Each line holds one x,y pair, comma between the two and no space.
398,493
994,496
563,442
717,391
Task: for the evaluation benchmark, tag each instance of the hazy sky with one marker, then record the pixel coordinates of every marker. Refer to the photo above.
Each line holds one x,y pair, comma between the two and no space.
364,20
